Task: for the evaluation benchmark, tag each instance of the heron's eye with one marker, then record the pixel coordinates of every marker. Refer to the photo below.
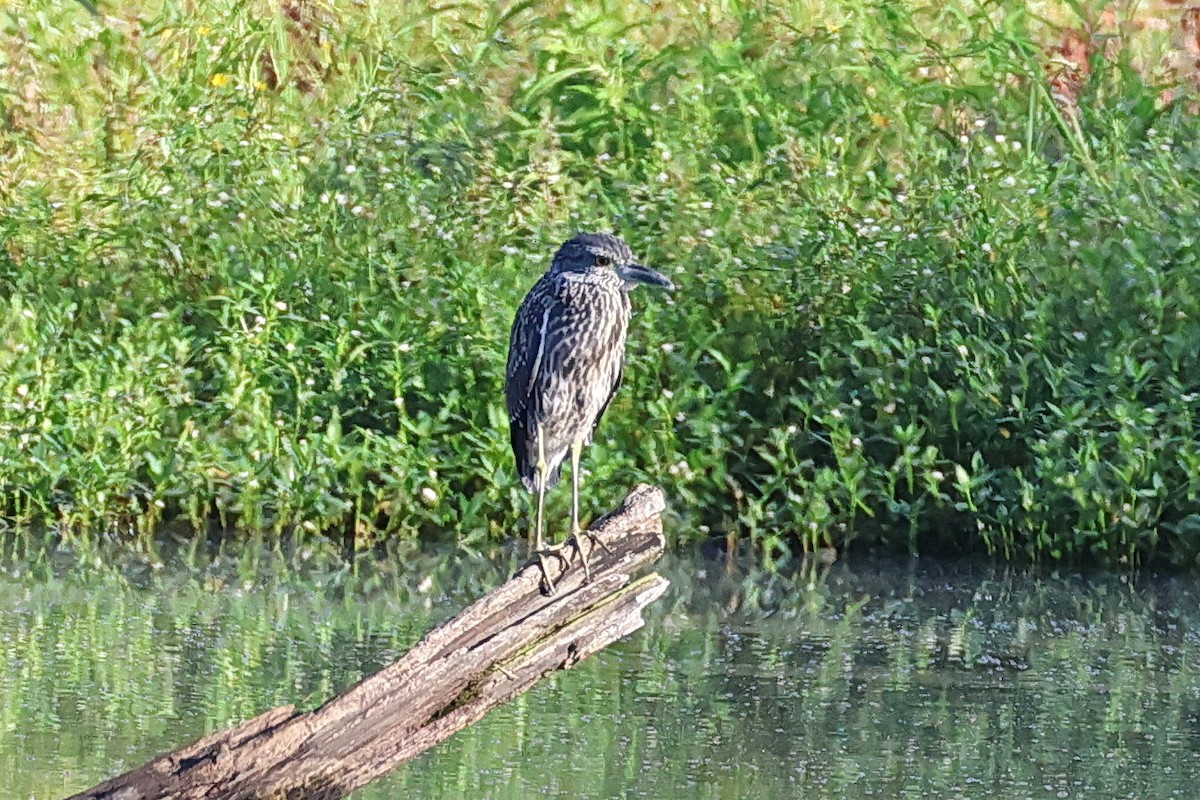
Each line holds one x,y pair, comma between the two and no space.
603,261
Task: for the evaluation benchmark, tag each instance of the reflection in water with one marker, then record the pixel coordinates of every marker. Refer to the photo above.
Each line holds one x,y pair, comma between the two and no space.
881,678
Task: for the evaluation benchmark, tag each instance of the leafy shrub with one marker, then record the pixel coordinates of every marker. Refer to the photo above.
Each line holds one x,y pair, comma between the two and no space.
937,277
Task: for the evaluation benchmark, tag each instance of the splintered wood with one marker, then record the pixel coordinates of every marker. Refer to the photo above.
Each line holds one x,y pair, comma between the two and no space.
487,655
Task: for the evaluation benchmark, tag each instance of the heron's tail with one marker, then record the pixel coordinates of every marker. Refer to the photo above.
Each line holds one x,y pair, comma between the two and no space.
529,477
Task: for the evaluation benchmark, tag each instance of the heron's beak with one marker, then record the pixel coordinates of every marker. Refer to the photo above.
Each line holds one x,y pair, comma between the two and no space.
636,273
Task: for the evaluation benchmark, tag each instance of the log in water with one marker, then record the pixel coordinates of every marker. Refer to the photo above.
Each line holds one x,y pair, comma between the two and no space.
493,651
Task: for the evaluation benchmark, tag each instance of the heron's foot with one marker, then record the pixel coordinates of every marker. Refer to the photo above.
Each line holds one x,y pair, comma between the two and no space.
577,537
556,551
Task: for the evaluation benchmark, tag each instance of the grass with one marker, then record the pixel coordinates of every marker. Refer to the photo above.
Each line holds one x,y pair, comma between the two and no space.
937,267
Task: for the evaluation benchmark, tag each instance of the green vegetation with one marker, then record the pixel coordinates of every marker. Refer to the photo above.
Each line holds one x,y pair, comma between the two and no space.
882,681
937,262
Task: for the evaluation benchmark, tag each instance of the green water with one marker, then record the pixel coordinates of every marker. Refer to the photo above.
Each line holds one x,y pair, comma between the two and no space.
880,678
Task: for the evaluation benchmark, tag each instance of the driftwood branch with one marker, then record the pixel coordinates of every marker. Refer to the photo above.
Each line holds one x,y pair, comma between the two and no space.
490,653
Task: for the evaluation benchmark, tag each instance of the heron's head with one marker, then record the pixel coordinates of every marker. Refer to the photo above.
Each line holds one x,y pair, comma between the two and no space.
589,252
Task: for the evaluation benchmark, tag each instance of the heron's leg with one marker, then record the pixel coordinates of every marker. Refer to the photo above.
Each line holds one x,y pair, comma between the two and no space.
575,450
539,544
576,532
576,447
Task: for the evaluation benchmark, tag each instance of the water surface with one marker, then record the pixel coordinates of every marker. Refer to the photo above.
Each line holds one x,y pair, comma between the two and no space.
872,678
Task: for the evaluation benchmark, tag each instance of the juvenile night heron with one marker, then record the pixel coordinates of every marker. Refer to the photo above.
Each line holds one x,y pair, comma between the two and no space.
565,360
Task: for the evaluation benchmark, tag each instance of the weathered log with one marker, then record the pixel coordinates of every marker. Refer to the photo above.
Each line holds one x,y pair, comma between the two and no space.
493,651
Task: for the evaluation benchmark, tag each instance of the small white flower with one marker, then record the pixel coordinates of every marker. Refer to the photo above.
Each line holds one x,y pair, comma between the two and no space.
1001,138
428,494
351,169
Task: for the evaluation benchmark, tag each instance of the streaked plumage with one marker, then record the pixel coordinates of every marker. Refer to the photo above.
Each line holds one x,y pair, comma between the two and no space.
552,386
566,356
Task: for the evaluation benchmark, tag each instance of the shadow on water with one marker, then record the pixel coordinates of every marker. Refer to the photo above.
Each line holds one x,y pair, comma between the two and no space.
866,678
